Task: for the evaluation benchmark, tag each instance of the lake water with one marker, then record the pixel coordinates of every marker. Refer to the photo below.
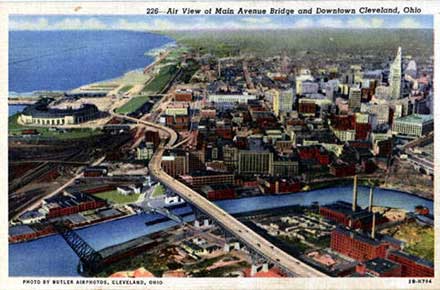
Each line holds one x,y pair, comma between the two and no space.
51,256
64,60
14,109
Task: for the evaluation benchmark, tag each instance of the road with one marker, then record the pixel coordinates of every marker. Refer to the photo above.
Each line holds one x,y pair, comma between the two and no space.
231,224
249,237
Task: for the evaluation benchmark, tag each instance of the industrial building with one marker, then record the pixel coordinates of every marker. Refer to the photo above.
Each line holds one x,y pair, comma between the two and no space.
412,266
351,215
70,203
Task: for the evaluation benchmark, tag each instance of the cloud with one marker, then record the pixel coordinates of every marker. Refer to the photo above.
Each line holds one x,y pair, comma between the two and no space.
204,23
330,23
410,22
123,24
377,22
78,24
363,23
39,24
257,20
303,23
65,24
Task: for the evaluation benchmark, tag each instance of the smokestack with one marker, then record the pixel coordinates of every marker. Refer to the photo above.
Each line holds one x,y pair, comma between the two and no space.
370,207
373,227
354,193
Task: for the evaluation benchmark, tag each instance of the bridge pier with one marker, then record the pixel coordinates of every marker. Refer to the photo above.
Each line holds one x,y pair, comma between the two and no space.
255,268
201,219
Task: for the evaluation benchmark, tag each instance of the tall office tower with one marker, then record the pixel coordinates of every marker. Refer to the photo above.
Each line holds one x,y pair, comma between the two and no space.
286,100
354,100
395,78
411,69
283,101
276,102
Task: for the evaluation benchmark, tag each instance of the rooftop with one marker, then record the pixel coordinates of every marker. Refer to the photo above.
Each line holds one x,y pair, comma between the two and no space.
346,208
415,259
380,265
358,236
416,119
69,200
20,230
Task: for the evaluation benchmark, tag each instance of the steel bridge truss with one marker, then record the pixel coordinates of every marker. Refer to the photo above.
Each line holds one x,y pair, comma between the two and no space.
90,259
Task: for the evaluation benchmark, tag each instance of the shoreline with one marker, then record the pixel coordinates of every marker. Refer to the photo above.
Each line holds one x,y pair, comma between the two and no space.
154,53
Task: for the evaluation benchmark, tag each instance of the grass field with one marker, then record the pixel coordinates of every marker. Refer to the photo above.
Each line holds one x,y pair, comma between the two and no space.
159,82
114,196
133,105
75,133
159,190
420,240
125,88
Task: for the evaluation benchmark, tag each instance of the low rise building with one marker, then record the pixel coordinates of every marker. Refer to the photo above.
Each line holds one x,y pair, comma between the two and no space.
70,203
415,125
200,178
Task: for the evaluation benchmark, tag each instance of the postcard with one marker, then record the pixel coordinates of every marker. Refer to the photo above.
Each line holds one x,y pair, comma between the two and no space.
219,145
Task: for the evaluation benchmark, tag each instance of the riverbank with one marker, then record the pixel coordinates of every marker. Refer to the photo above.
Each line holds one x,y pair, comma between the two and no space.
57,259
365,181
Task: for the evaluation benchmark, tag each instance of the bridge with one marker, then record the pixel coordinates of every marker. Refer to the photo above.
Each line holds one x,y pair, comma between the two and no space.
90,260
258,245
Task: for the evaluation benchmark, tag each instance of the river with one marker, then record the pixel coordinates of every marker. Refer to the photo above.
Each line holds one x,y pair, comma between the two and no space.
51,256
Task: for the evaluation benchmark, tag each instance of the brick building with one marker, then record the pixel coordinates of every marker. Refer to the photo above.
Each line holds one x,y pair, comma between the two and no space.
412,266
70,203
175,165
276,185
342,213
218,191
317,153
183,95
198,179
357,246
379,267
342,169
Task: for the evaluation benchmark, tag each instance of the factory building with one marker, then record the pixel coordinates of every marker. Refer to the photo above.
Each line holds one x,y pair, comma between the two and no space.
351,215
412,266
70,203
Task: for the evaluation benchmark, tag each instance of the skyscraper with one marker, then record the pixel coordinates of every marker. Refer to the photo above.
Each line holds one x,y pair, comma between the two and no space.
286,100
395,78
282,101
354,100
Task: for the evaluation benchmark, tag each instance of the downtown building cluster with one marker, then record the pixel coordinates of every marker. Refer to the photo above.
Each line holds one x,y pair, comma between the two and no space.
263,125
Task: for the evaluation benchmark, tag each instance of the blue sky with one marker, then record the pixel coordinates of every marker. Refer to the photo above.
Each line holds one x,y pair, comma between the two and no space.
180,22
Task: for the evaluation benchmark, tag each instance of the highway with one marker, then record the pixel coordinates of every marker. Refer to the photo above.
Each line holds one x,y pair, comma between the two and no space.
242,232
249,237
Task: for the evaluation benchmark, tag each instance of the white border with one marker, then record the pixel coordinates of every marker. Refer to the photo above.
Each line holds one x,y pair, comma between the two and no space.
121,8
